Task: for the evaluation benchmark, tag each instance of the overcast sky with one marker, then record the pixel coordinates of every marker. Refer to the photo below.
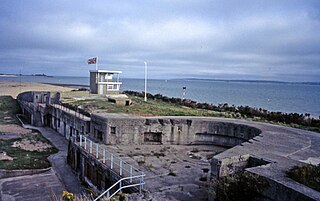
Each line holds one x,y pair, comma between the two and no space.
267,40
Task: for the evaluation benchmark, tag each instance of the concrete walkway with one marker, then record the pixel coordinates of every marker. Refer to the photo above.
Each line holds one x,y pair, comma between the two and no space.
45,185
37,187
59,160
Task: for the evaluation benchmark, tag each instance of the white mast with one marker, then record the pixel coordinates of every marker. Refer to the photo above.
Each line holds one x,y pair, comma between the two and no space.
96,62
145,80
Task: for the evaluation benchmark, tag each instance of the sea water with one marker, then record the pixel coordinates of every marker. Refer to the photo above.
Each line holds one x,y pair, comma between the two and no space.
273,96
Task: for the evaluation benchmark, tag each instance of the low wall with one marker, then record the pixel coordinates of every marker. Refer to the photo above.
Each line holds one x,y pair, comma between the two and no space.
286,190
17,173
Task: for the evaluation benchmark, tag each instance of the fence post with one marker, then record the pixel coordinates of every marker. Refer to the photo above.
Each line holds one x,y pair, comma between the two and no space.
97,150
90,147
104,156
111,159
80,141
142,179
130,174
85,143
140,186
120,167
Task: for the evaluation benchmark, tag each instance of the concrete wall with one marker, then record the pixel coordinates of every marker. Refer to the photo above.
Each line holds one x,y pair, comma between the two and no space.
120,129
285,190
40,97
67,123
33,105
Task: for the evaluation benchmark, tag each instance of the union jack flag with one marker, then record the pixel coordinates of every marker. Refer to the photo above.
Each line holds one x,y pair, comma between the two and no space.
92,60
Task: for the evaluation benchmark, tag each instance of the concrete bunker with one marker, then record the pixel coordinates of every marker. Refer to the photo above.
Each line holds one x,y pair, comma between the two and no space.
44,109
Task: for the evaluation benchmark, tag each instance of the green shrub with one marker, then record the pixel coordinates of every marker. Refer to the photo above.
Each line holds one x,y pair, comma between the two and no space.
308,175
240,186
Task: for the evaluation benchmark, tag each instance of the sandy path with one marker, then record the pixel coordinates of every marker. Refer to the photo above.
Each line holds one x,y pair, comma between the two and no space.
11,88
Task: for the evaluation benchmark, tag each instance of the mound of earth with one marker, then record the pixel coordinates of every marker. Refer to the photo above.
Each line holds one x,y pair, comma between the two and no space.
31,145
14,129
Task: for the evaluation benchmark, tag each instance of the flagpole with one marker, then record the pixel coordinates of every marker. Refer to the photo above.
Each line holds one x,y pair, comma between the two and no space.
145,80
97,63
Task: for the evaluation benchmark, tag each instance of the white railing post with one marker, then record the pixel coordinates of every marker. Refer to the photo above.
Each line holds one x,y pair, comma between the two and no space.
80,141
111,159
90,147
130,174
142,179
97,150
140,186
104,156
85,143
120,167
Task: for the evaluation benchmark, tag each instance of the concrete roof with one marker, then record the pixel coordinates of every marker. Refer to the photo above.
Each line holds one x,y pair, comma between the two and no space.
117,116
106,71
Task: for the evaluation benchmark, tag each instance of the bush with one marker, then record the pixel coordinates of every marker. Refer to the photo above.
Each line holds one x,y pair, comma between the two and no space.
240,186
308,175
303,120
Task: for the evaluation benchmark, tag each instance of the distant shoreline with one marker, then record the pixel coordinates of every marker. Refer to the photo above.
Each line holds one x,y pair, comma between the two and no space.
17,75
180,79
77,86
5,75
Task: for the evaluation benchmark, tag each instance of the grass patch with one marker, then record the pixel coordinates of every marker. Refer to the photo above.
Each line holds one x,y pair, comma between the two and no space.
9,107
26,159
159,107
308,175
140,107
22,159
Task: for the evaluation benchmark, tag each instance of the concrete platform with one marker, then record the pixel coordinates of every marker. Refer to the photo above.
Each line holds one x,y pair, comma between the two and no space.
31,188
173,172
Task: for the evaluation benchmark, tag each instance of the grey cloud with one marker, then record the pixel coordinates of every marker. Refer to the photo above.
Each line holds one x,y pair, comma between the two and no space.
212,39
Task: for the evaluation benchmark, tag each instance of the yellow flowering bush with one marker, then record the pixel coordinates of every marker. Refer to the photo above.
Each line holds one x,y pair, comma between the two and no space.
67,196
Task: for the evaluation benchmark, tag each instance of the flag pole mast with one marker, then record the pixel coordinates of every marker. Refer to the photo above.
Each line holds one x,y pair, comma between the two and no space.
97,63
145,80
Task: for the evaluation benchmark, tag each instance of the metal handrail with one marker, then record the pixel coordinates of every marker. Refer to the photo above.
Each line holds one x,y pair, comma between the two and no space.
121,187
125,169
102,154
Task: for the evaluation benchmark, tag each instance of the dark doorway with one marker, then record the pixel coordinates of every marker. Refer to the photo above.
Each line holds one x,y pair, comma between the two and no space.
100,135
153,137
47,120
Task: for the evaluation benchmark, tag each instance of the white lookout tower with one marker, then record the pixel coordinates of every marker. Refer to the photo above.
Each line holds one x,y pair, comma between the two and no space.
105,82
